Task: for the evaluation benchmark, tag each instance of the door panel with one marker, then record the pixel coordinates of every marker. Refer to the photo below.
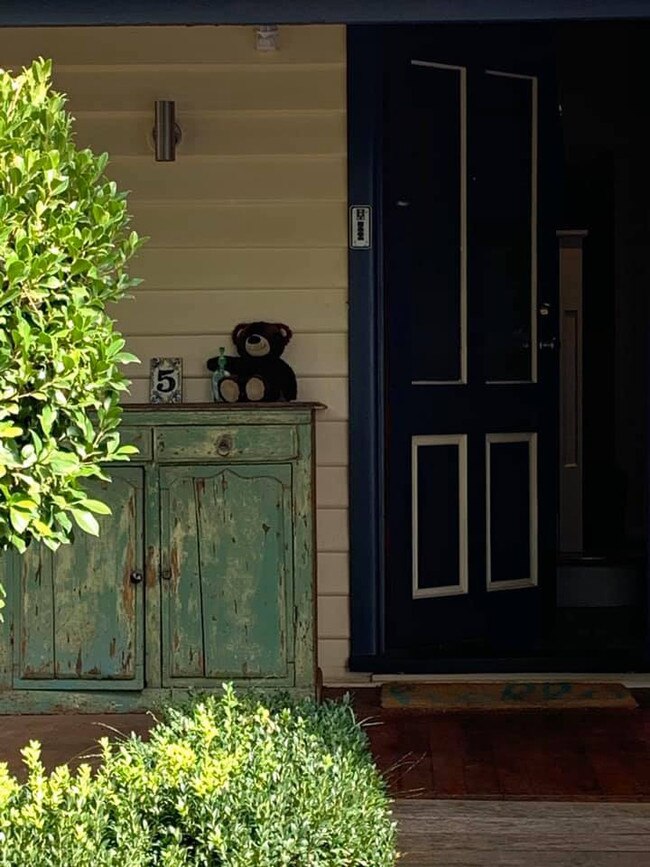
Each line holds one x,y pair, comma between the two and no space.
438,353
81,614
471,390
511,510
508,242
439,485
227,546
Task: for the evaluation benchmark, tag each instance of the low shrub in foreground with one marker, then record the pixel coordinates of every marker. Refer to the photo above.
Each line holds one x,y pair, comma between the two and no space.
238,781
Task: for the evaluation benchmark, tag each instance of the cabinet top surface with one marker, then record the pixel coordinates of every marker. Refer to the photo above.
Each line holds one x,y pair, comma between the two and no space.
161,415
221,407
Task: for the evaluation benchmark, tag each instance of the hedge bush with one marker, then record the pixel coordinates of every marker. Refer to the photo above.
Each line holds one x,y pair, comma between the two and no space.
64,245
237,781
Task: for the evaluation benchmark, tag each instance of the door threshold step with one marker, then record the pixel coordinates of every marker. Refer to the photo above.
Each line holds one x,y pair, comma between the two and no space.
511,695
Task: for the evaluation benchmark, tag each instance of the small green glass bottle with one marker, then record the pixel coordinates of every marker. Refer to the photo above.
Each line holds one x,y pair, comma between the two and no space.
219,373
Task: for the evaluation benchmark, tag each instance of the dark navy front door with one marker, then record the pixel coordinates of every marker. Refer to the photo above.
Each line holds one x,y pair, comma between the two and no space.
470,278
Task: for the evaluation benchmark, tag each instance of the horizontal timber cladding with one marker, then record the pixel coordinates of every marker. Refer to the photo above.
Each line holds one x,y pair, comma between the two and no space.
248,223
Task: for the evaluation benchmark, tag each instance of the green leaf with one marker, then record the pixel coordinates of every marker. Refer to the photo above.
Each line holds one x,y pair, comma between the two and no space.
19,520
63,462
9,431
86,521
126,358
96,506
48,417
23,505
16,270
128,450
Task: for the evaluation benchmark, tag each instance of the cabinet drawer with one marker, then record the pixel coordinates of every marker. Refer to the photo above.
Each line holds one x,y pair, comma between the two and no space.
140,437
245,443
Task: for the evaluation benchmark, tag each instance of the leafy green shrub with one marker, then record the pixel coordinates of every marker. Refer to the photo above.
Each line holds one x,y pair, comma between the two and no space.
64,244
231,781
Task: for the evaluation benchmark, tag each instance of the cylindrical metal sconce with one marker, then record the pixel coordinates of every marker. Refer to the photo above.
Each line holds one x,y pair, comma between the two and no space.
166,132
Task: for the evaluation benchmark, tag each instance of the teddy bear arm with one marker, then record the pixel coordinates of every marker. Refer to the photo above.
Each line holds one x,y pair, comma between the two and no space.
235,365
289,382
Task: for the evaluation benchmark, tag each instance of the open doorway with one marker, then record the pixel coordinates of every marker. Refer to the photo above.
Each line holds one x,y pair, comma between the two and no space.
605,270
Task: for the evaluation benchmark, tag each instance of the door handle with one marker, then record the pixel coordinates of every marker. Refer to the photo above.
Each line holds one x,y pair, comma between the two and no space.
553,343
165,567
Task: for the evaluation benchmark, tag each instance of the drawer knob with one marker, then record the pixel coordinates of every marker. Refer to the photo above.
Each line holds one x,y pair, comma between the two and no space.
224,445
136,577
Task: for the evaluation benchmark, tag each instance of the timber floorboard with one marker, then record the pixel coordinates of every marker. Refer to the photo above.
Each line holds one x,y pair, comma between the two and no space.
510,834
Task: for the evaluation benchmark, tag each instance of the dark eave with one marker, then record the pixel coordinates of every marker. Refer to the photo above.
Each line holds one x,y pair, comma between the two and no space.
91,12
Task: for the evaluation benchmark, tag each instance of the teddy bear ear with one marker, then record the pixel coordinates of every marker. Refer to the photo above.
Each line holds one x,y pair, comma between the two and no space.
237,330
285,331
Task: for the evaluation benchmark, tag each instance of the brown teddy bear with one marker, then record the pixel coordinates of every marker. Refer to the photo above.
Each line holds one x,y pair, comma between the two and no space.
258,373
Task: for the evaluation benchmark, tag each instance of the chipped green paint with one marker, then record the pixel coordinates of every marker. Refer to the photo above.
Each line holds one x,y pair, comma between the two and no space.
226,444
80,615
217,514
228,599
141,438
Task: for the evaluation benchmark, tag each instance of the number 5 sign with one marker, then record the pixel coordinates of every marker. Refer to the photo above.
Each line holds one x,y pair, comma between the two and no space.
166,380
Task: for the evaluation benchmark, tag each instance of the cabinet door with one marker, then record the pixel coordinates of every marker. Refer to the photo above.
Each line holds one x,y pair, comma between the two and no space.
80,613
228,565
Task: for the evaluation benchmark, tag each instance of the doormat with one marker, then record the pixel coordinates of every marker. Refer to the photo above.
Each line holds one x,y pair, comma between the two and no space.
506,696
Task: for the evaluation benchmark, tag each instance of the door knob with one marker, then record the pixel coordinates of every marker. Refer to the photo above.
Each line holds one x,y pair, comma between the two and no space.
553,343
136,577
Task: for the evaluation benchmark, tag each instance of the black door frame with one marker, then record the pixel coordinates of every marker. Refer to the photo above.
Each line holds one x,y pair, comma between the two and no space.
367,406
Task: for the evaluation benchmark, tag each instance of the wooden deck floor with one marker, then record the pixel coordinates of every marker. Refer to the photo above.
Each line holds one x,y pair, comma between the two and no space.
561,756
510,834
505,790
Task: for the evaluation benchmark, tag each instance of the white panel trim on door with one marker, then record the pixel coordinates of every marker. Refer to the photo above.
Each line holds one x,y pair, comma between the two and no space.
461,587
534,155
462,71
532,579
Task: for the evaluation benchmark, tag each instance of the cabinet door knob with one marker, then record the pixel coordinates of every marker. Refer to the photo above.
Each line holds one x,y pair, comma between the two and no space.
136,577
224,446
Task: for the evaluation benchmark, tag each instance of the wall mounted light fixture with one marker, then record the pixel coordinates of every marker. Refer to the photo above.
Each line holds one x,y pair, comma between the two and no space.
166,132
267,37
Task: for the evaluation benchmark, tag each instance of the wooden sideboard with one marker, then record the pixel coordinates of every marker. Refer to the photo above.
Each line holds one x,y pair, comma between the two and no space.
203,573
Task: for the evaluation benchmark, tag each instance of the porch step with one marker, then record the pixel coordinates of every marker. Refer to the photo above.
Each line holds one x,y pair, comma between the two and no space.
513,695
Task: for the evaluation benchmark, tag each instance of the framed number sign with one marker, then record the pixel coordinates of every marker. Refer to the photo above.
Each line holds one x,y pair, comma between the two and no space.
166,380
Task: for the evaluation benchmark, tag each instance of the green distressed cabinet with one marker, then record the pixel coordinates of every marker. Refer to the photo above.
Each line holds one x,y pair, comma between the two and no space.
202,573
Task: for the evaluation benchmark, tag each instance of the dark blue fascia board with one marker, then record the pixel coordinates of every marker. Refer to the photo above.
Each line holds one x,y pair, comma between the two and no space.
91,12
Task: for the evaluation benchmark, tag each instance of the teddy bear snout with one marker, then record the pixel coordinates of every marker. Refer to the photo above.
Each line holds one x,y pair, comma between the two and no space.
257,345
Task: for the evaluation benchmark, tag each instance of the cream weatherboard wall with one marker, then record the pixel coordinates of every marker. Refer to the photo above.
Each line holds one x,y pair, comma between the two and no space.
249,222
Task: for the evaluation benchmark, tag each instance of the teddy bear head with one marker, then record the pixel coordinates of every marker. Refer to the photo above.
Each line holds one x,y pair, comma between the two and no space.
261,339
